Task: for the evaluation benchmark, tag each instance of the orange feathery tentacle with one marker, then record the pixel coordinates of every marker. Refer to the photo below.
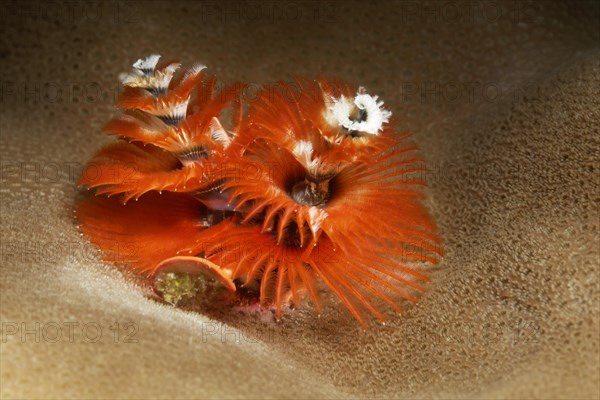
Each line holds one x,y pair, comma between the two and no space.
380,190
143,233
135,125
370,250
275,270
134,170
196,144
300,118
389,195
167,105
210,104
353,276
255,258
262,179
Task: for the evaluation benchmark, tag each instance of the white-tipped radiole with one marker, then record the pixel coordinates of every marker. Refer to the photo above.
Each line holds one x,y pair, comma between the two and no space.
363,114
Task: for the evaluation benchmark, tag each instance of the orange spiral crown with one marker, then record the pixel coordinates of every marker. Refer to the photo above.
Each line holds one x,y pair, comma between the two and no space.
307,185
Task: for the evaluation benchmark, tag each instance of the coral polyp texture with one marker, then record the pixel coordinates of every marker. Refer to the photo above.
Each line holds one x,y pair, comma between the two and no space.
305,188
